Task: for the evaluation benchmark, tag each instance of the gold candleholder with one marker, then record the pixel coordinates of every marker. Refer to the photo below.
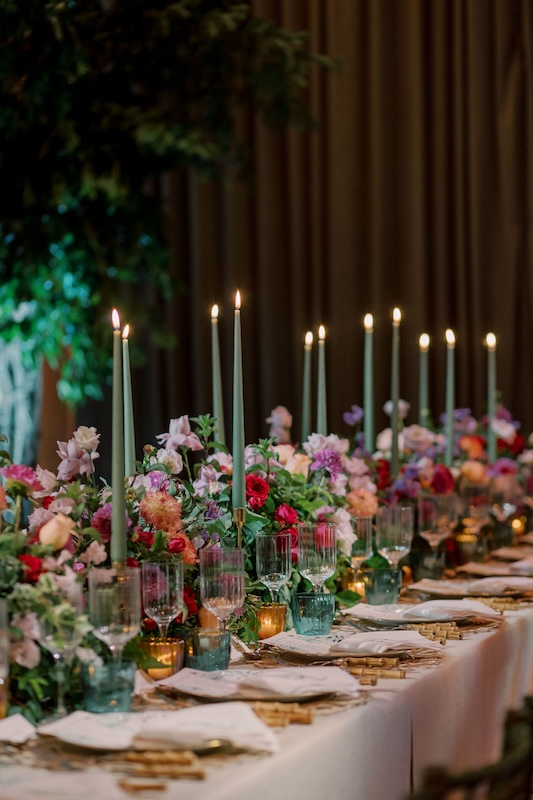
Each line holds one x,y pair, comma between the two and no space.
271,618
239,518
4,697
169,653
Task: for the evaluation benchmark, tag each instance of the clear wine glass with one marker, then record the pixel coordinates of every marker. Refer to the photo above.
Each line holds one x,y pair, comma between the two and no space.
317,551
362,547
273,560
115,606
222,581
162,591
437,514
60,636
394,532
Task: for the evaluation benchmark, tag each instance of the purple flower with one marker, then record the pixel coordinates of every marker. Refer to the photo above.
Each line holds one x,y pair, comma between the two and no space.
213,511
502,466
354,416
329,460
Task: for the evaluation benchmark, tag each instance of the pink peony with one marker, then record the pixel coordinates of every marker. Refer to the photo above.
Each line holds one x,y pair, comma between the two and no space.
74,460
180,435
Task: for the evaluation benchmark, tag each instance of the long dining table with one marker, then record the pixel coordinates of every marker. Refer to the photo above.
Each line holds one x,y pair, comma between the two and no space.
450,713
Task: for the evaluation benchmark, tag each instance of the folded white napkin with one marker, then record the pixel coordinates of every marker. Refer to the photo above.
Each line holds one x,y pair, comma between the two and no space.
445,610
523,567
16,729
296,681
383,642
500,585
486,569
188,727
512,553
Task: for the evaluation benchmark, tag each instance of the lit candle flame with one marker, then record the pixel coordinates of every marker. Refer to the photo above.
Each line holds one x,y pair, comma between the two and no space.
321,333
491,341
115,318
308,339
237,300
214,312
424,341
126,332
450,337
368,322
396,316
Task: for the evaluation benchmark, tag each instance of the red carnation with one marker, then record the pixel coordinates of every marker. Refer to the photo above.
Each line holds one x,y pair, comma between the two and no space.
285,515
515,447
383,474
257,490
442,481
33,567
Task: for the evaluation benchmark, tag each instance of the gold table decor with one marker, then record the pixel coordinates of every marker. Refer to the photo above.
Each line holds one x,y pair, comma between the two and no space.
169,653
271,618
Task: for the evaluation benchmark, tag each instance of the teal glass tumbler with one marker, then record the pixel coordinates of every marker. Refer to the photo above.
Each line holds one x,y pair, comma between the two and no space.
108,687
381,585
207,649
312,613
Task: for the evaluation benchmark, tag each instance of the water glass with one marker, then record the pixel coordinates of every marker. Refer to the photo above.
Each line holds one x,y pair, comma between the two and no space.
437,514
381,585
394,532
273,560
313,613
222,581
162,591
115,606
108,687
207,649
362,547
317,551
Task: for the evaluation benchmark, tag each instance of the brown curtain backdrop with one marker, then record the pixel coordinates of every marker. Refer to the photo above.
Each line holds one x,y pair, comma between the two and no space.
415,191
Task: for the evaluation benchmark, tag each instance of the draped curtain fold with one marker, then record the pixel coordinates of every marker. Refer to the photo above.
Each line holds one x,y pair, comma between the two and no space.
416,190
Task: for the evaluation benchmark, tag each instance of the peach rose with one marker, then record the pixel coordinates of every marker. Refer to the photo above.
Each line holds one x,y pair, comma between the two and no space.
298,464
56,532
474,446
473,471
362,503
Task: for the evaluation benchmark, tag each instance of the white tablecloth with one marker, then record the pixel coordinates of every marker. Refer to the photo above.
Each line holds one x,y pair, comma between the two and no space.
450,714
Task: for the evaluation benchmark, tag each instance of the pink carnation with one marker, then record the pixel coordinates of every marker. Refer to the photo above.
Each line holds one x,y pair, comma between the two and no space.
19,477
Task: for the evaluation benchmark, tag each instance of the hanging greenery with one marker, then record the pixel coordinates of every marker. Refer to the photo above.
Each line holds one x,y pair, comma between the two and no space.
98,98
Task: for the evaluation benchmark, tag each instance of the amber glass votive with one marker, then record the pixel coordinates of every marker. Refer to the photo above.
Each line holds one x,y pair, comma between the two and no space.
271,618
169,653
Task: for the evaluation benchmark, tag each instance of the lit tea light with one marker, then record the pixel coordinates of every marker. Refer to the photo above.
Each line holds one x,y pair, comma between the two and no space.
271,618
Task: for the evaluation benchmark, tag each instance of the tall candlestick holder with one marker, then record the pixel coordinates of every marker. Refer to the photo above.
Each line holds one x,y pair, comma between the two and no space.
239,518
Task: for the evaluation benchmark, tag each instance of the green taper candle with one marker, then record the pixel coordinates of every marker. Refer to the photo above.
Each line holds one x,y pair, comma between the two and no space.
368,384
450,395
238,489
423,385
118,516
395,391
306,387
218,404
321,402
129,424
491,395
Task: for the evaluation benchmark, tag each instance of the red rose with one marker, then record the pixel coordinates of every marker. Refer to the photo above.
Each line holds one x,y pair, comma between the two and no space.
257,490
285,515
46,502
144,537
149,625
442,481
33,567
515,447
383,474
132,562
177,545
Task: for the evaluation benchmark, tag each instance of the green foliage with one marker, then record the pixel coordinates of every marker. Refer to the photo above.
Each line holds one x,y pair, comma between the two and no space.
98,98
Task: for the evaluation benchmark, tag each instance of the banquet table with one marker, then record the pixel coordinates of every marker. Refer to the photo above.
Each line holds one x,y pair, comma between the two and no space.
450,713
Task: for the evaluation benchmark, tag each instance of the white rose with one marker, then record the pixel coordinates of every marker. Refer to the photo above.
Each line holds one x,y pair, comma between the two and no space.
504,430
171,459
87,438
56,532
384,441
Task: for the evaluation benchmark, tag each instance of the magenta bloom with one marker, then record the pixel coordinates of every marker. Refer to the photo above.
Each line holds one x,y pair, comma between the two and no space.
329,460
20,479
102,521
